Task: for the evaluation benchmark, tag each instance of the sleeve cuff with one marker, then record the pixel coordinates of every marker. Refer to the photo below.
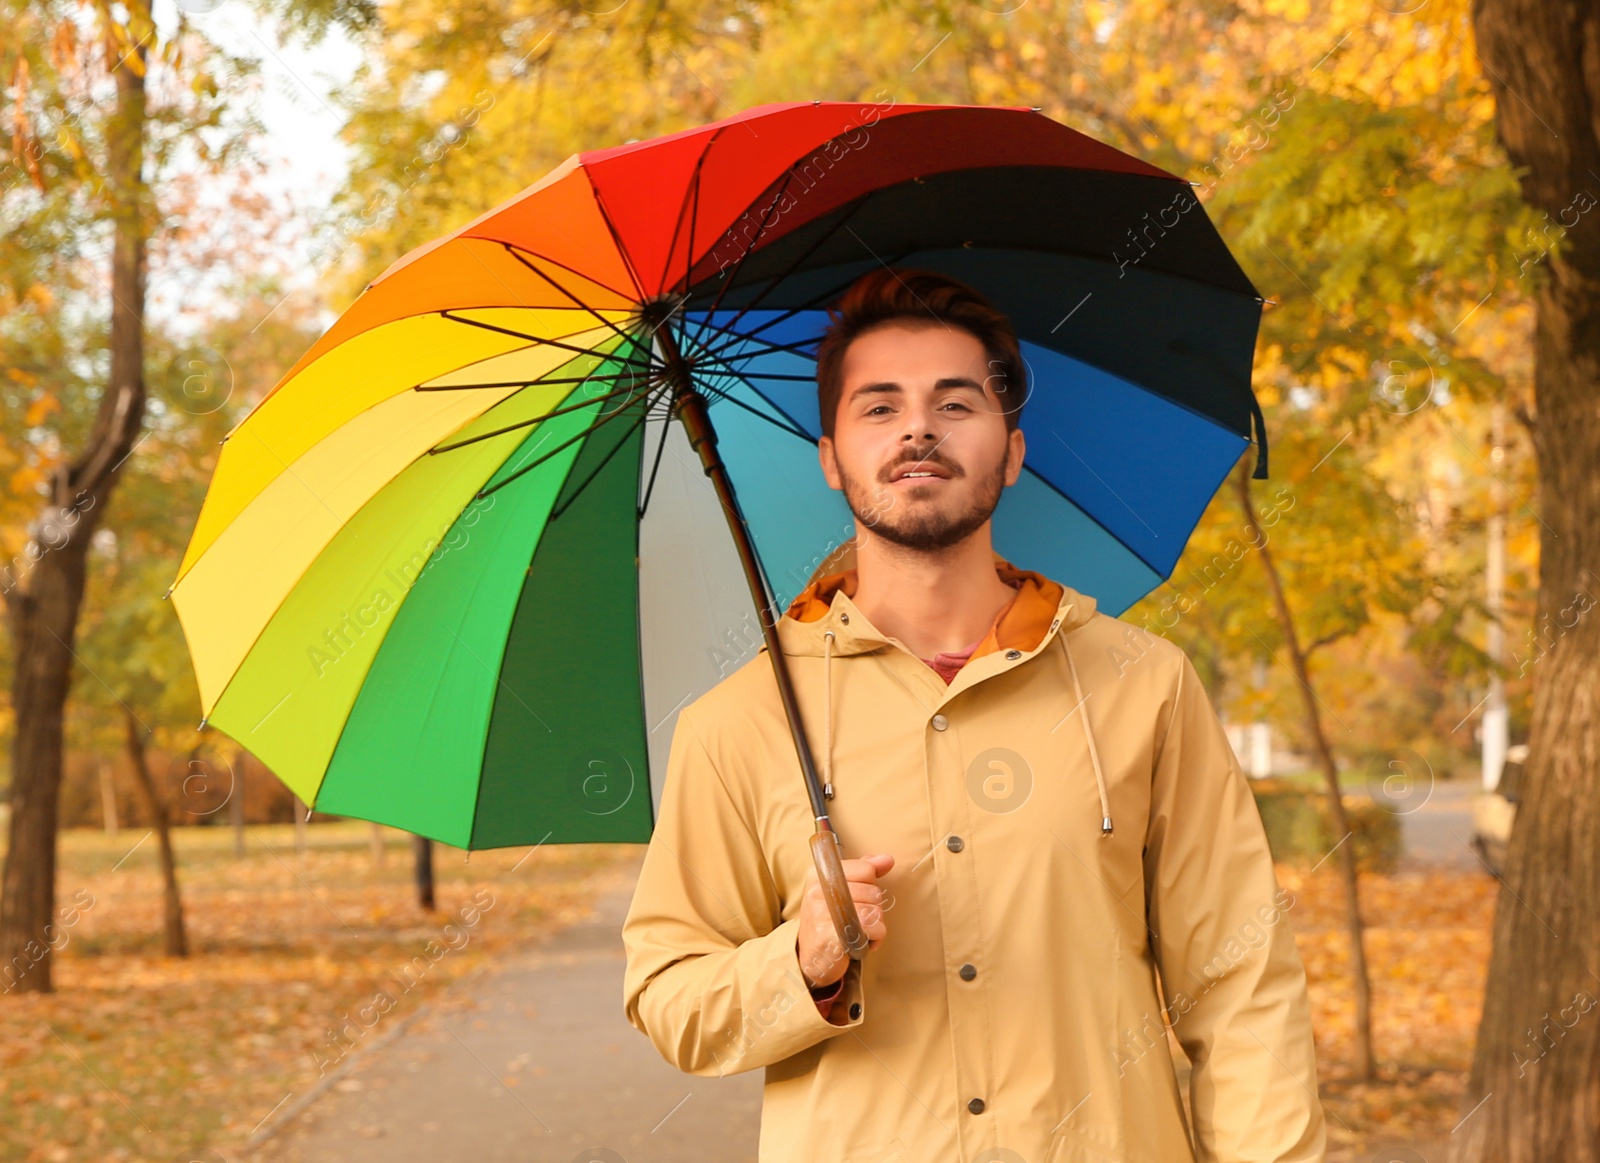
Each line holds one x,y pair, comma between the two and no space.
825,995
839,1006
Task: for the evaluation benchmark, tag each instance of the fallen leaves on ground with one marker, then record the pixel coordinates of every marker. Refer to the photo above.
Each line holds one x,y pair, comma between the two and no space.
297,962
1428,933
300,961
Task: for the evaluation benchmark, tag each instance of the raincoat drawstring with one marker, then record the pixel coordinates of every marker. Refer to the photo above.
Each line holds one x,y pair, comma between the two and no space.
1077,690
1088,730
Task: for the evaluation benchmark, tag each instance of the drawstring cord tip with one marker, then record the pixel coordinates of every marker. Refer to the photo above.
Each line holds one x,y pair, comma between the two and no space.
1105,826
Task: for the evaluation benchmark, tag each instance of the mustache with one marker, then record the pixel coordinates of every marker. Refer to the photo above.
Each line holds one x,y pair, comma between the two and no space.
933,458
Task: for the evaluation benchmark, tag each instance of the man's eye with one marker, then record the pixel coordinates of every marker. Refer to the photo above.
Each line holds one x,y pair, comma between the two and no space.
958,404
875,407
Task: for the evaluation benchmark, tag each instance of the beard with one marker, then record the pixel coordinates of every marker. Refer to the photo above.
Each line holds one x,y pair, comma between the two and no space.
925,530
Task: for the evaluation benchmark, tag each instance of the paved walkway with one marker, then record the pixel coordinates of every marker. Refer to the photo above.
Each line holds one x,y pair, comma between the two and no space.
586,1087
1438,830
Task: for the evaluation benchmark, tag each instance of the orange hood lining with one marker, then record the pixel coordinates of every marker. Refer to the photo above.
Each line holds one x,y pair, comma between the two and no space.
1021,625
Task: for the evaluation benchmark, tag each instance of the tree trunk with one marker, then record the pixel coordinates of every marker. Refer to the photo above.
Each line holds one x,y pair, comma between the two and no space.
177,942
236,803
43,606
1364,1067
424,853
108,800
1534,1092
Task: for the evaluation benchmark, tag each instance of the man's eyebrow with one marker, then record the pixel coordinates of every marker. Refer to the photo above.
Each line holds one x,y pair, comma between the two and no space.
889,387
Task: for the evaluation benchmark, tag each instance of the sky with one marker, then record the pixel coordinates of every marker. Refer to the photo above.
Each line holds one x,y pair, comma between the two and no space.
298,103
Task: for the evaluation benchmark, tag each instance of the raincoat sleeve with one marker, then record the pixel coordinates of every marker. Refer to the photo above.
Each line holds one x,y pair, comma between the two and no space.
1232,977
713,971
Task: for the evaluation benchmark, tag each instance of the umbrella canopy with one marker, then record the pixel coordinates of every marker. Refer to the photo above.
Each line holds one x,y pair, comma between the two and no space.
459,570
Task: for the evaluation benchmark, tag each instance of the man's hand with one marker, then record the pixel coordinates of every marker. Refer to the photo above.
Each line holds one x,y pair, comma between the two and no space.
823,957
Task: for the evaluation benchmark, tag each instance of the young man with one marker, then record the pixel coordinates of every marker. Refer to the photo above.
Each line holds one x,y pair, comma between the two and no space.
1040,808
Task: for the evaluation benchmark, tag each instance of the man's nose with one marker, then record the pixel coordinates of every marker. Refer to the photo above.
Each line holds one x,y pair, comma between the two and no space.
918,425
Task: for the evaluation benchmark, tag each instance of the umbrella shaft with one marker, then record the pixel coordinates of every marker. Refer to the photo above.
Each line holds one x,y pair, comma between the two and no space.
691,409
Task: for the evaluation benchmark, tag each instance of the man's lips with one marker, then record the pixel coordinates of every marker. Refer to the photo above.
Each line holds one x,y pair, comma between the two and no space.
927,470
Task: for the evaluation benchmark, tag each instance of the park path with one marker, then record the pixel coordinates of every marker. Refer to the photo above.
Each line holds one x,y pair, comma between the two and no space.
586,1086
1438,831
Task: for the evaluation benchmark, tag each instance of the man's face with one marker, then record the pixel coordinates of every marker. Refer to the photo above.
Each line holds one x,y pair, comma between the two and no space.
920,446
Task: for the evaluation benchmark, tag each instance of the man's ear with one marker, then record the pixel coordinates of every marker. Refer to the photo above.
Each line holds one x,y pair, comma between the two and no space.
830,465
1016,453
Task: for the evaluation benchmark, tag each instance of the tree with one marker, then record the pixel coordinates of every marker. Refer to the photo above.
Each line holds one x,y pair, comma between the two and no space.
76,171
174,936
42,609
135,686
1534,1092
1299,654
422,868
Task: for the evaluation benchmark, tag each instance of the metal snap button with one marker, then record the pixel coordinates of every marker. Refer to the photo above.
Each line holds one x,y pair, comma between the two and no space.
976,1106
1013,654
954,844
855,1010
968,972
940,722
845,619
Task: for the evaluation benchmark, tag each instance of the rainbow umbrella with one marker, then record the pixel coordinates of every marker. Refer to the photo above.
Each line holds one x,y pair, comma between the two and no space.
460,568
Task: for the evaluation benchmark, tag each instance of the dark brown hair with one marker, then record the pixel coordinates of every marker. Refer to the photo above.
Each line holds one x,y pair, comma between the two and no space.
918,296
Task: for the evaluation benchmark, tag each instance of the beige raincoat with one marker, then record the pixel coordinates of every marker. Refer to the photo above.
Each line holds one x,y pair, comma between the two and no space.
1012,1013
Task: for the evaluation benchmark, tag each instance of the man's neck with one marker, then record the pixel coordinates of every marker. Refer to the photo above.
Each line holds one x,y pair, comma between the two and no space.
931,602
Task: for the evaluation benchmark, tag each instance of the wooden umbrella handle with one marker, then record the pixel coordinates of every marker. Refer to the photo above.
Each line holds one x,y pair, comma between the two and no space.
829,859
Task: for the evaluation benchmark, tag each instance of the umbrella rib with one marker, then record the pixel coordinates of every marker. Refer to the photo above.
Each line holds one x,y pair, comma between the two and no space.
743,373
749,375
529,467
616,239
795,265
650,486
793,431
555,262
534,339
565,408
522,383
644,414
763,347
790,314
514,251
694,214
766,220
